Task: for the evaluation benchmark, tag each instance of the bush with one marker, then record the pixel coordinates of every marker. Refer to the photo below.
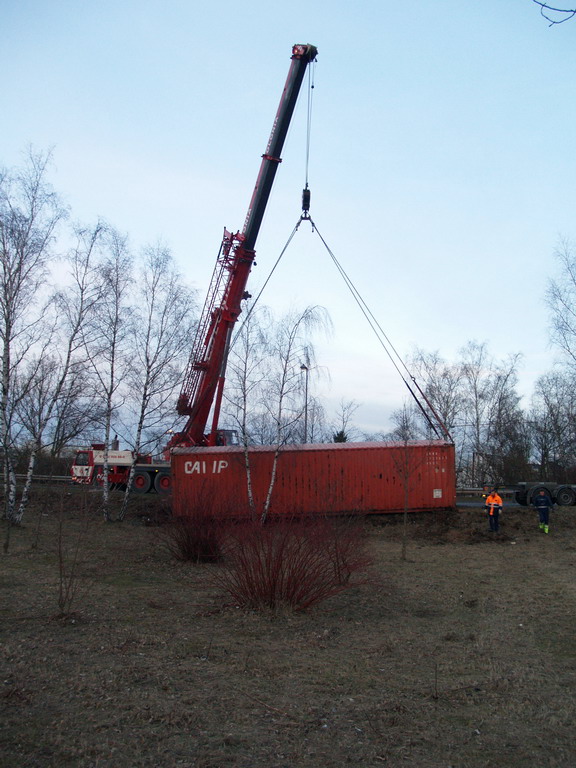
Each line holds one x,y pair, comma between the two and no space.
294,563
196,534
196,538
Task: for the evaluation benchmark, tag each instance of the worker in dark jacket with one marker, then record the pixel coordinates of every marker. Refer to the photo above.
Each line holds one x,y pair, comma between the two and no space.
493,506
543,503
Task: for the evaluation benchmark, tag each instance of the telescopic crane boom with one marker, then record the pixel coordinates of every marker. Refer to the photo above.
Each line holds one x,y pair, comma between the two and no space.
204,380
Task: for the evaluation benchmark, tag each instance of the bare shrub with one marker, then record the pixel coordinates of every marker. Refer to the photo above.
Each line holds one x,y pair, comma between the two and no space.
68,553
196,538
195,535
290,562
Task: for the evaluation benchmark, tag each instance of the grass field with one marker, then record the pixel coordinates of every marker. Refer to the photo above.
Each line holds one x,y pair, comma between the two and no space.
461,655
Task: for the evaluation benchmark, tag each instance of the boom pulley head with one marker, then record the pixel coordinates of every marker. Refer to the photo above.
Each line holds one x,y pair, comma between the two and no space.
306,202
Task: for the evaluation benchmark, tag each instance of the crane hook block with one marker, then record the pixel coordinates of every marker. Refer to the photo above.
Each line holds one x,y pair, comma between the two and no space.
306,200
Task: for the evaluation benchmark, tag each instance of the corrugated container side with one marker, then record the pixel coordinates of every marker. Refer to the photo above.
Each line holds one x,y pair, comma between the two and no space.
337,478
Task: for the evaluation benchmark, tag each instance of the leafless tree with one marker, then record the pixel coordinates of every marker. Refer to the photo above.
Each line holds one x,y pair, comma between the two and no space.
407,425
318,431
282,395
247,372
552,421
442,383
47,385
476,399
553,405
254,378
343,429
75,413
30,211
265,386
161,327
491,410
283,392
106,337
406,462
561,300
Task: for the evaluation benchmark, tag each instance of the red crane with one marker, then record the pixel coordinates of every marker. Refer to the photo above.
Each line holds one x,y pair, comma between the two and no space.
204,380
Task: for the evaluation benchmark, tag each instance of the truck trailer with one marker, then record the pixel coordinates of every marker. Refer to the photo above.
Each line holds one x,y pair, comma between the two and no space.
562,494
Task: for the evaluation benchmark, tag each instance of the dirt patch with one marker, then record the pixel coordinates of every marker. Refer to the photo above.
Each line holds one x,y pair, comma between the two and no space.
462,655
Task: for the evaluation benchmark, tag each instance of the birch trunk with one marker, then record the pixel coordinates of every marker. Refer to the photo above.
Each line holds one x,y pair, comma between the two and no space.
266,510
27,484
105,467
135,452
9,487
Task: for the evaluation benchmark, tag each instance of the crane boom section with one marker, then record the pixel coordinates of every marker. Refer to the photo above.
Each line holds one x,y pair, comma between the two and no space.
302,55
207,365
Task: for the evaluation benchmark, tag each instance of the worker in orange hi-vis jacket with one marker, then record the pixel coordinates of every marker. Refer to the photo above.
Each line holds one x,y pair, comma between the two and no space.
493,506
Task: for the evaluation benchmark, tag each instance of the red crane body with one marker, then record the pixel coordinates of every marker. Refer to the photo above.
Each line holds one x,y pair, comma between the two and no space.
204,379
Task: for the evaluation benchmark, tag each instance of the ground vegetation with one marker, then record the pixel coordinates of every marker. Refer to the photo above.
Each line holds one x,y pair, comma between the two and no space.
462,654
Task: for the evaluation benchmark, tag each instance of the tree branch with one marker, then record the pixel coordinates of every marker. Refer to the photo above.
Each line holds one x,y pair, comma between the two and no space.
569,12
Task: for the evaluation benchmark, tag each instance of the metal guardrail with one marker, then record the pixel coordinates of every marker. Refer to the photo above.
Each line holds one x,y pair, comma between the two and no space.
46,478
480,492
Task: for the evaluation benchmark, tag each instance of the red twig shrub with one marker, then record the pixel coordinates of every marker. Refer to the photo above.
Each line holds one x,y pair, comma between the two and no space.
294,563
196,538
196,535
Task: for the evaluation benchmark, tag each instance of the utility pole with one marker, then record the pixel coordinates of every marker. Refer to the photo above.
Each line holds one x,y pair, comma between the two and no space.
306,372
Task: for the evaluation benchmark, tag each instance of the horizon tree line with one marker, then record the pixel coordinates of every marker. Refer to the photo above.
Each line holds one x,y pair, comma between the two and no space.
102,356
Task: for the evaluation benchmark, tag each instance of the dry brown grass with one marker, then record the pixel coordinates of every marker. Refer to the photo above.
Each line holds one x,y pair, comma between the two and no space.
463,655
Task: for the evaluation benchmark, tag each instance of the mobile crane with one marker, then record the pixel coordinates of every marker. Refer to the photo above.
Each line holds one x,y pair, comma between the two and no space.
361,478
204,379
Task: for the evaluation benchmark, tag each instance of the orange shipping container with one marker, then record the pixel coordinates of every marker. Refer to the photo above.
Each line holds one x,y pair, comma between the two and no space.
326,478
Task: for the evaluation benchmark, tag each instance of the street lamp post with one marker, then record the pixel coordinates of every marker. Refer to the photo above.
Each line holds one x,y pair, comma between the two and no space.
306,372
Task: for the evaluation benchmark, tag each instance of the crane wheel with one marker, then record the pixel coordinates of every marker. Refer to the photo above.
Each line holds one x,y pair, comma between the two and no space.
163,482
565,497
141,482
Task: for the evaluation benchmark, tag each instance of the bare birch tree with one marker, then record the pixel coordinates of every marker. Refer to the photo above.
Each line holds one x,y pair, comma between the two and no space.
491,409
476,398
75,412
105,339
552,421
161,329
246,374
50,371
265,392
283,393
561,300
442,385
406,462
29,214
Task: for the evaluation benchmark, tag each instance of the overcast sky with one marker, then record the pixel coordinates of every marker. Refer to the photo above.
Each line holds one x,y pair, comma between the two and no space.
442,159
